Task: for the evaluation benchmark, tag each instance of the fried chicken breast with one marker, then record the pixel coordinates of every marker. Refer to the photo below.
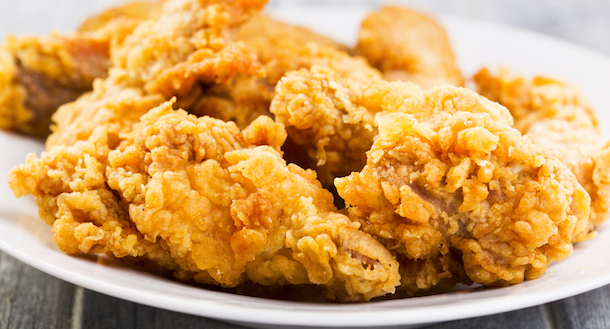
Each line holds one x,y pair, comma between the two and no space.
448,185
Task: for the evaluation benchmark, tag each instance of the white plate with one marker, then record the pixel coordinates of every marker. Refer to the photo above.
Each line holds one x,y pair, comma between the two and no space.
24,236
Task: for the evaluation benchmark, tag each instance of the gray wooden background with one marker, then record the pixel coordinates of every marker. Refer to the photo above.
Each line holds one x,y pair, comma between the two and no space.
32,299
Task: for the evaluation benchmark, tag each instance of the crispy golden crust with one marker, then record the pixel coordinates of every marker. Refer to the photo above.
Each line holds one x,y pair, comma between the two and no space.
280,48
468,182
195,46
557,117
220,202
333,117
68,180
449,193
409,46
206,201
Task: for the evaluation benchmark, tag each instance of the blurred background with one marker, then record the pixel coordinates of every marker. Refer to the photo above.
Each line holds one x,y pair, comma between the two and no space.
584,22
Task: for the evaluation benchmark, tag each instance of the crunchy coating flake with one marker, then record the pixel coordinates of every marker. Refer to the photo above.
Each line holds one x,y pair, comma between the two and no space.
409,46
468,183
333,117
557,117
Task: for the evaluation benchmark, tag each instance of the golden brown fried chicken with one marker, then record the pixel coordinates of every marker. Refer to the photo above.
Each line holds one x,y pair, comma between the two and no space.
281,48
448,186
197,51
197,195
557,117
68,180
409,46
41,73
333,117
228,209
465,184
209,202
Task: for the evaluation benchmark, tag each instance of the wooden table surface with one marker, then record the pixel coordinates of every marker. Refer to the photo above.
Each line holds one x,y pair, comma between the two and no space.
32,299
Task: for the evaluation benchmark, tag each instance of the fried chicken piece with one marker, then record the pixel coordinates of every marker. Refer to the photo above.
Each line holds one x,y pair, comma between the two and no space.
281,48
41,73
211,203
557,117
220,202
196,51
465,184
409,46
68,179
333,117
196,195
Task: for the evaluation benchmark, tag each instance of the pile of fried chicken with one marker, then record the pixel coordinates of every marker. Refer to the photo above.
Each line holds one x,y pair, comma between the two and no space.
216,142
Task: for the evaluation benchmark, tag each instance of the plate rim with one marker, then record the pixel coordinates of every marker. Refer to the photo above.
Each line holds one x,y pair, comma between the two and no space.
390,317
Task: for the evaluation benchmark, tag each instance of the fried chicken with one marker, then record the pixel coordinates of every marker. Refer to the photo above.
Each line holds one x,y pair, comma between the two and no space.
68,179
39,74
333,117
465,184
197,195
448,186
221,202
557,117
440,188
409,46
197,51
280,48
